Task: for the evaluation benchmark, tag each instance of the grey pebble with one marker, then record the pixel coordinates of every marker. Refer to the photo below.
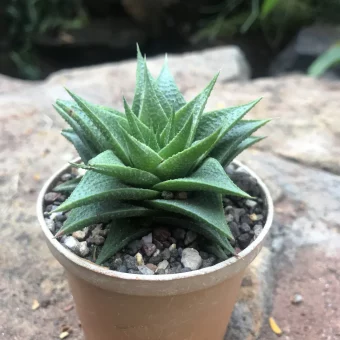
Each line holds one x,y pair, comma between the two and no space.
133,271
229,218
244,228
179,234
66,177
50,197
234,229
96,239
145,270
250,203
185,270
165,254
161,272
155,259
50,225
147,239
204,255
83,249
130,262
162,265
297,299
149,248
122,269
244,240
190,237
209,262
116,263
257,229
133,247
72,244
238,213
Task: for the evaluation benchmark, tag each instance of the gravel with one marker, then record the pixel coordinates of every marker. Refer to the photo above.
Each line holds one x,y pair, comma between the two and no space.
166,250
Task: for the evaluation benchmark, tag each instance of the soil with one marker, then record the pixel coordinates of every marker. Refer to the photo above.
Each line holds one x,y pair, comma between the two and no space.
165,250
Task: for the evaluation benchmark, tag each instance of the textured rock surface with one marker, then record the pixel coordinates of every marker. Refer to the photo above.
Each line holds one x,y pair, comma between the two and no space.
299,162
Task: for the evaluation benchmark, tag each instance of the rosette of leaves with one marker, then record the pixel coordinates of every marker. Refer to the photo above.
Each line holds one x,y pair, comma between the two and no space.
161,161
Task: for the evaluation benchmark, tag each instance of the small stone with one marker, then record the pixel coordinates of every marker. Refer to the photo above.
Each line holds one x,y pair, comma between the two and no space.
162,265
122,269
246,219
71,243
250,203
244,228
155,259
234,229
96,239
297,299
185,270
133,271
56,215
172,240
83,249
50,225
175,270
158,244
130,262
133,247
66,177
179,233
229,218
172,247
98,230
145,270
149,248
152,267
172,259
160,272
175,264
257,229
190,237
244,240
156,253
118,262
161,234
147,239
81,235
139,259
209,262
191,258
165,254
180,251
173,252
237,213
182,195
166,244
50,197
204,255
255,217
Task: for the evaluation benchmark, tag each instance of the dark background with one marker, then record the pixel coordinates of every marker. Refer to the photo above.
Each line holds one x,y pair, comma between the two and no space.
38,37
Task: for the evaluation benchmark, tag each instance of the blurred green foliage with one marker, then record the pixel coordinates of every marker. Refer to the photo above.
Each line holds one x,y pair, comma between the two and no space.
274,18
326,61
29,18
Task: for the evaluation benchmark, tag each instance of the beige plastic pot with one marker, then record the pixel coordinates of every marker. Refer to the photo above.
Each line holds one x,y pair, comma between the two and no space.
188,306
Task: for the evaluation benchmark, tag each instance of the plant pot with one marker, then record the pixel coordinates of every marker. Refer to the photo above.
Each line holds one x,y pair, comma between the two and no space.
117,306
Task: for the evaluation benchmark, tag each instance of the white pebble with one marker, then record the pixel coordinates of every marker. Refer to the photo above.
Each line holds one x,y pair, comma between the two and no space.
83,249
162,265
191,258
145,270
71,243
172,247
157,252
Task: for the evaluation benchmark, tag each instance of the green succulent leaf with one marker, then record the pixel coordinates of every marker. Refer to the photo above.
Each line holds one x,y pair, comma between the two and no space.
121,233
180,164
227,118
237,149
84,151
195,107
142,156
90,130
110,134
109,164
68,186
234,137
152,113
96,187
210,176
100,212
204,207
168,87
179,142
140,80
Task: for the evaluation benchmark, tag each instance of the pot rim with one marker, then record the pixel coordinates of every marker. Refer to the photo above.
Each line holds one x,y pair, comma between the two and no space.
153,278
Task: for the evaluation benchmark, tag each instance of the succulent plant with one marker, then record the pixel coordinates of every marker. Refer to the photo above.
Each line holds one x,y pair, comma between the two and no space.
162,161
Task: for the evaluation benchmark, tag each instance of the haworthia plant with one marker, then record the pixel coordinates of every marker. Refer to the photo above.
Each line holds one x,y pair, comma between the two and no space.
136,161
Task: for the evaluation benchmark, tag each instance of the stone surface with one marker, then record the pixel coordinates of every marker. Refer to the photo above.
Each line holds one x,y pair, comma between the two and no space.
191,258
299,161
